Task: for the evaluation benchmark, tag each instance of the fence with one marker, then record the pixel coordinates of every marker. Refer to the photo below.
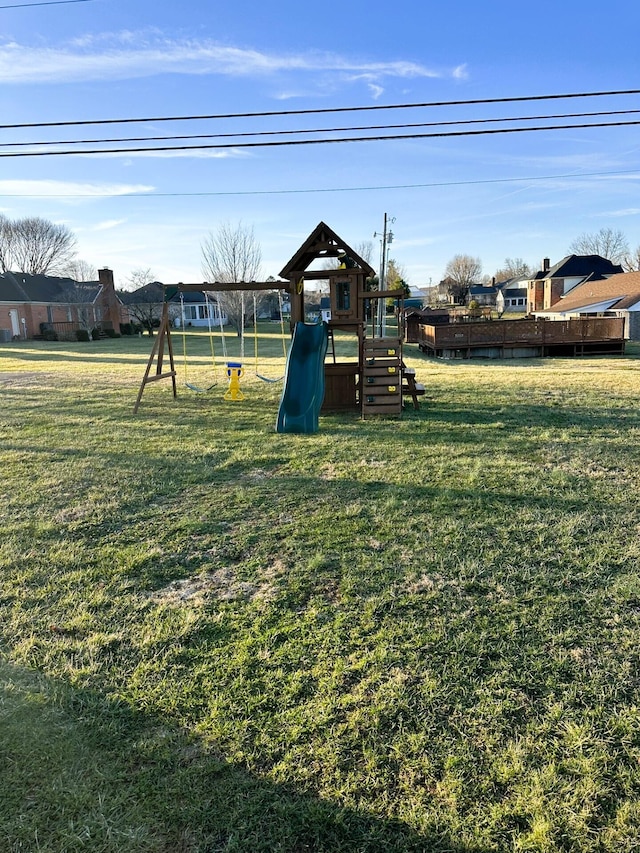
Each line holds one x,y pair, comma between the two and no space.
548,337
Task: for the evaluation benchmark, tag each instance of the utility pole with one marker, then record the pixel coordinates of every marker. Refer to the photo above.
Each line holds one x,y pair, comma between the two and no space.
387,237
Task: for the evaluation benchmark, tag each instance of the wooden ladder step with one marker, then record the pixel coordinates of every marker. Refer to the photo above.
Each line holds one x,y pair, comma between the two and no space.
411,388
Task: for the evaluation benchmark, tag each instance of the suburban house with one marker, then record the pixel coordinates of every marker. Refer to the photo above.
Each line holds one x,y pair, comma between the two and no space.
193,310
444,289
325,308
511,295
29,304
551,283
482,294
615,296
417,298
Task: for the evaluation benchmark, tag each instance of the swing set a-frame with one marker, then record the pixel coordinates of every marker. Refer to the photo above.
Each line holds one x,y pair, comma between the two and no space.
376,382
163,344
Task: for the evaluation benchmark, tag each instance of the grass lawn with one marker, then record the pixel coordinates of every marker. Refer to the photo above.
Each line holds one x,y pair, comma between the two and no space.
393,635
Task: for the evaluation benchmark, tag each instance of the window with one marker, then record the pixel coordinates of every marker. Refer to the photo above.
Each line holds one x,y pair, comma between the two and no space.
190,312
343,295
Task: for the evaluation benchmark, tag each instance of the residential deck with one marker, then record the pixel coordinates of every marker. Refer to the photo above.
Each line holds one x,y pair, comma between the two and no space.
524,338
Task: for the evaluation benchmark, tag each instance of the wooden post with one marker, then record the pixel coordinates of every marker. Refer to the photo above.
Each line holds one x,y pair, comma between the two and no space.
163,337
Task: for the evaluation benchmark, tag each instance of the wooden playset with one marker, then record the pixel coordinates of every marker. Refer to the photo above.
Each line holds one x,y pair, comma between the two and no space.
375,381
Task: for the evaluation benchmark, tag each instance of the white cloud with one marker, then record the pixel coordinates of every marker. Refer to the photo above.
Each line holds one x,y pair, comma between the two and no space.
200,153
61,189
129,55
627,211
108,224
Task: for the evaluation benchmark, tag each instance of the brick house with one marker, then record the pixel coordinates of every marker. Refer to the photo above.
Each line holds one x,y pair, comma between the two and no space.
29,301
615,296
552,283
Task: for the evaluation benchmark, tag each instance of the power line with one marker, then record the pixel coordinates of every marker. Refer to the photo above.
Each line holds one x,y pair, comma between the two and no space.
316,130
309,190
46,3
291,142
318,111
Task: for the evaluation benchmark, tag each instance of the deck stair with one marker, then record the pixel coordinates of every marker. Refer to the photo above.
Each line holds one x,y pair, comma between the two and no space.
411,388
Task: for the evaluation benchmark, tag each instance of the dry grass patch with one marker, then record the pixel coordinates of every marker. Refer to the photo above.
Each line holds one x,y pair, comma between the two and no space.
221,585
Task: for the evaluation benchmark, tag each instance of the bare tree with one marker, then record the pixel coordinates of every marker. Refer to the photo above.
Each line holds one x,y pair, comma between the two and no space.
232,254
512,268
80,270
6,243
365,249
140,277
631,262
37,246
80,301
606,242
461,272
144,298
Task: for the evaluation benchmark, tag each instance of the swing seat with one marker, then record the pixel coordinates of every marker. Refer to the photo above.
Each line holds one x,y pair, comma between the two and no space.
195,388
268,379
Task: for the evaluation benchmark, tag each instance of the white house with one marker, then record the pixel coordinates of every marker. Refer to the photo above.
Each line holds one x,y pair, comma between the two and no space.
511,295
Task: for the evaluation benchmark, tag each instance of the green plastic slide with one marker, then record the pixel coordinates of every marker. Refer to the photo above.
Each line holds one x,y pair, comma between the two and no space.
303,390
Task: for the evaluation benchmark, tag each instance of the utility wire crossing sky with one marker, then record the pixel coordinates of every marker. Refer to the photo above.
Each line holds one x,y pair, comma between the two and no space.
461,172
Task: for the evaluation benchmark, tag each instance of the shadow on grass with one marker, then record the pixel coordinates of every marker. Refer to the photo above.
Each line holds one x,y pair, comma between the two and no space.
132,351
96,352
80,771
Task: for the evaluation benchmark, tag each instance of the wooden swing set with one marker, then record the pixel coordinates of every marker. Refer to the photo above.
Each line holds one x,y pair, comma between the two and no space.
163,344
375,383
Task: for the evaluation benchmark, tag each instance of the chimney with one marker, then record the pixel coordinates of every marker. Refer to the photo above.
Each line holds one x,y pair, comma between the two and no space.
109,298
545,264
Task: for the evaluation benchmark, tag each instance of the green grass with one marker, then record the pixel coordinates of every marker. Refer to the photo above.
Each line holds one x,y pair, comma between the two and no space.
393,635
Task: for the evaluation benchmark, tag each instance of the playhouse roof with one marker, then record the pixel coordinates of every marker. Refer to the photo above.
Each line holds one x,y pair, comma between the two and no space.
322,243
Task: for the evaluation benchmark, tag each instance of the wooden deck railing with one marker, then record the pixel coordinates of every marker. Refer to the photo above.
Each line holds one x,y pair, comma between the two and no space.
513,333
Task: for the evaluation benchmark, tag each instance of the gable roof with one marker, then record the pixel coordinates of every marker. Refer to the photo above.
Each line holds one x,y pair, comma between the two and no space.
22,287
322,243
512,283
621,290
151,292
482,289
579,266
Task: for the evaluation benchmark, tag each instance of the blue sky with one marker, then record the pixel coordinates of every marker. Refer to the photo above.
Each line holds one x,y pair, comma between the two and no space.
513,195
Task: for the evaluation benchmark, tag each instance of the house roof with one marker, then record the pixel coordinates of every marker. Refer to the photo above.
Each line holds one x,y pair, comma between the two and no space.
623,290
322,243
511,283
480,289
579,266
151,292
22,287
155,291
